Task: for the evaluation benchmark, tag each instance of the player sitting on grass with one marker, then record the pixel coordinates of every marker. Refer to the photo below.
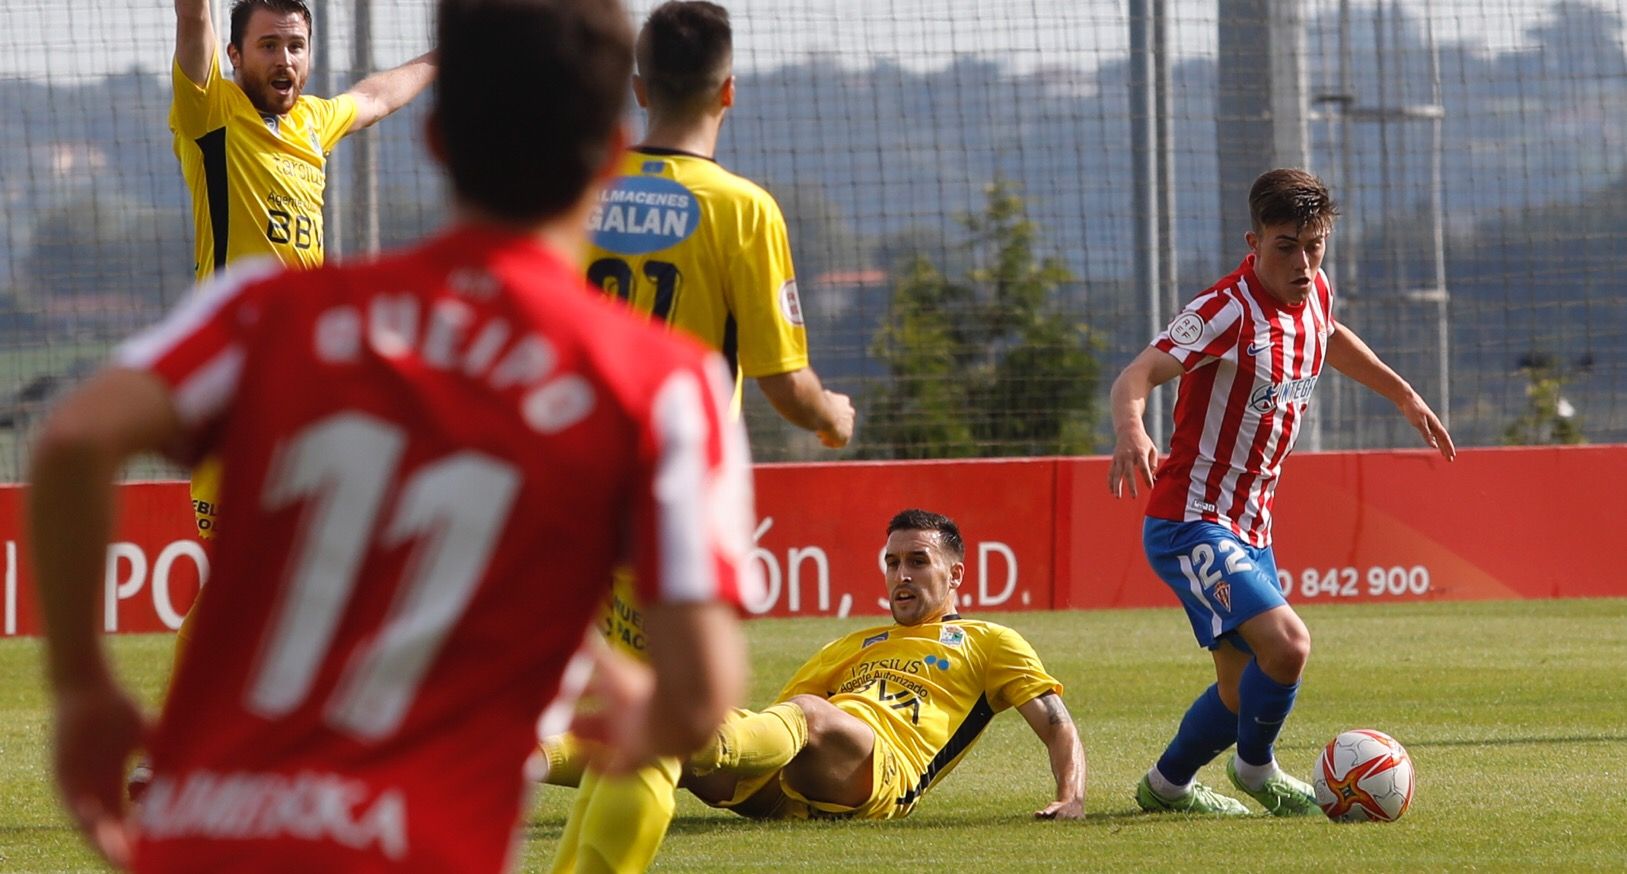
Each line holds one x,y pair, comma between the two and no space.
879,716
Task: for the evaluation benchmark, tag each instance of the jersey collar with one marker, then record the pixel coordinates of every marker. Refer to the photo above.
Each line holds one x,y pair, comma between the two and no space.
661,152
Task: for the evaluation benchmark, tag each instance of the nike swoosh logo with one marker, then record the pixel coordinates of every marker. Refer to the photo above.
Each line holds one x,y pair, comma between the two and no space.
1257,348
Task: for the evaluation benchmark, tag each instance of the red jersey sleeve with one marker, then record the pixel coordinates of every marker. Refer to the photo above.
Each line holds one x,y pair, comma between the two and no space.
692,509
198,350
1207,329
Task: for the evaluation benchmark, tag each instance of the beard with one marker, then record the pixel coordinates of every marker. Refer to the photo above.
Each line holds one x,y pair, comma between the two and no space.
266,97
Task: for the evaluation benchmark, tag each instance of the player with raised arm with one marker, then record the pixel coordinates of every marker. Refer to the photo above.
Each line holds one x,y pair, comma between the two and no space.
253,152
372,662
1248,350
253,148
707,252
878,717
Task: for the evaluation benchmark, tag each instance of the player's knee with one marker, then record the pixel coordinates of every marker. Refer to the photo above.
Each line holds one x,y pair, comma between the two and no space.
1285,659
830,729
822,716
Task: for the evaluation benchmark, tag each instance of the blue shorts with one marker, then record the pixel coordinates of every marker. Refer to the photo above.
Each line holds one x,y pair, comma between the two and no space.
1221,581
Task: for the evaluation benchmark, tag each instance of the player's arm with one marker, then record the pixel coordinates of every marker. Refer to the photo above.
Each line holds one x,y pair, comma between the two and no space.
1049,719
194,39
1351,356
690,525
801,399
699,656
76,456
383,93
1134,455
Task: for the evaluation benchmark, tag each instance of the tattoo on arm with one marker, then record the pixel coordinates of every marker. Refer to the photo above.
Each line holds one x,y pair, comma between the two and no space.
1055,710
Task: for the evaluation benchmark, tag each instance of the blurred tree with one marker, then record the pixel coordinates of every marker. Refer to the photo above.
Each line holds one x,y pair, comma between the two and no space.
985,364
1548,417
101,265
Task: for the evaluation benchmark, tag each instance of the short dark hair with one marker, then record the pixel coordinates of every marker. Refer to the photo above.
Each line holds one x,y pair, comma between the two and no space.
925,520
527,97
1289,194
685,52
243,9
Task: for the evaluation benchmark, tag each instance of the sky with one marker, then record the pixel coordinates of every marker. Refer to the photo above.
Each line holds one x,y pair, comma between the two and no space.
83,39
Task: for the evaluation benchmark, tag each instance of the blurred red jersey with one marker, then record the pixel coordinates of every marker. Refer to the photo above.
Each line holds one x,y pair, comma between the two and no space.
433,461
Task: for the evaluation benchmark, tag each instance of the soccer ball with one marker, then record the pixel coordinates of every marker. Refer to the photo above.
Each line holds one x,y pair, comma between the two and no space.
1363,775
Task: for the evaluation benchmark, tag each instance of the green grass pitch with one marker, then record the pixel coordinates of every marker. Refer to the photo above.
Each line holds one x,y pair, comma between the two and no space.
1515,714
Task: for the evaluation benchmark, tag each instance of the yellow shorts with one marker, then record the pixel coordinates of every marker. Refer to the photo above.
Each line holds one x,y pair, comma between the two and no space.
891,780
206,496
621,620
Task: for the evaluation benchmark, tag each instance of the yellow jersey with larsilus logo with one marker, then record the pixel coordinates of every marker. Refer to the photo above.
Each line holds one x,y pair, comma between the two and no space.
706,251
929,689
256,185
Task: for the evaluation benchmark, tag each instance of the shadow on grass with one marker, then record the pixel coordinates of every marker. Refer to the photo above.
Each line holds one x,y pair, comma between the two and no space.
933,821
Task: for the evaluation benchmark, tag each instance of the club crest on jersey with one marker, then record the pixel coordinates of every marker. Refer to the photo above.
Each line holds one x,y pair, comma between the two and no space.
1186,329
952,635
790,303
1223,594
1271,395
642,214
873,639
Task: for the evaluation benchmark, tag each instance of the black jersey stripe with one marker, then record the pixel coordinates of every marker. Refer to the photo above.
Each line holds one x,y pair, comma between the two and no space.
213,146
976,720
731,347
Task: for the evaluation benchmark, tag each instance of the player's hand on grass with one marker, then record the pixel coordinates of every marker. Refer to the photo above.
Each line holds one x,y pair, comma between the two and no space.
97,729
1424,420
840,408
1074,809
1134,458
615,710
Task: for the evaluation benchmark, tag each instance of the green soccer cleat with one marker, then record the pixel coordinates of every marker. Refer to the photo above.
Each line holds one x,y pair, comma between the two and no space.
1199,799
1281,795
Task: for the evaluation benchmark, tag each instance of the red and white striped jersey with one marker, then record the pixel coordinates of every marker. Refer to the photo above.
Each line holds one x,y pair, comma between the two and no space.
1250,365
433,461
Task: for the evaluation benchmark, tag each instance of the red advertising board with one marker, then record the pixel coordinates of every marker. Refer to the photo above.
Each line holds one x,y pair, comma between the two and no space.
821,529
154,566
1045,534
1388,526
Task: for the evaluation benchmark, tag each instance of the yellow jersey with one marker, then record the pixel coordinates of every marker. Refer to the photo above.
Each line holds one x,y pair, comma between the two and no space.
929,689
256,182
680,238
706,251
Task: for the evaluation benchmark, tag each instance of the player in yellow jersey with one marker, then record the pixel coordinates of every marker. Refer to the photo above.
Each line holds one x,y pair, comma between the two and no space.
253,152
878,717
253,149
683,239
